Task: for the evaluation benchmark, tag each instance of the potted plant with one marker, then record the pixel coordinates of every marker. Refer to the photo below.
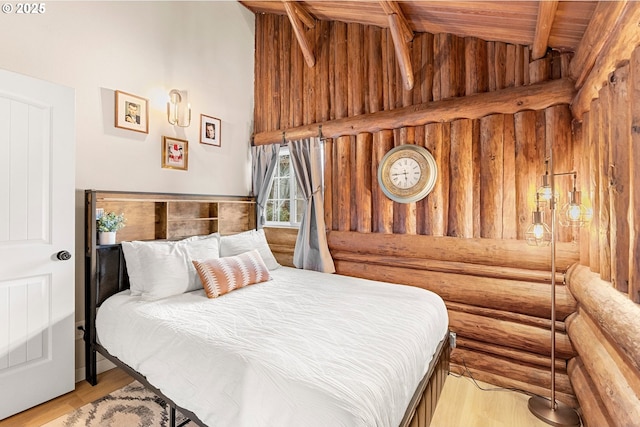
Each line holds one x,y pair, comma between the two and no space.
108,224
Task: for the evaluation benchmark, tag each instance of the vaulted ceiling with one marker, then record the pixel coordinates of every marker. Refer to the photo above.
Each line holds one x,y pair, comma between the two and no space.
559,25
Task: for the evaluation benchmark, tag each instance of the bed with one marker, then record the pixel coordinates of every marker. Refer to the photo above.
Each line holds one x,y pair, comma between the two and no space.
301,348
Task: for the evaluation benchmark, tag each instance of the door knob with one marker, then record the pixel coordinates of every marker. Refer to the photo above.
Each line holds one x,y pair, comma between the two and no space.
63,255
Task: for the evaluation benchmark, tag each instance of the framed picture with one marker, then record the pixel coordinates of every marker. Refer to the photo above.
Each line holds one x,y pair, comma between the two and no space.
210,130
175,153
132,112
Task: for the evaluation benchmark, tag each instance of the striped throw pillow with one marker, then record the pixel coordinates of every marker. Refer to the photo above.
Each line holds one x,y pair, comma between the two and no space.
222,275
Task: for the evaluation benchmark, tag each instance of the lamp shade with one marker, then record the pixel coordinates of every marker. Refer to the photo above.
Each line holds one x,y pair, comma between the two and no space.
574,213
538,233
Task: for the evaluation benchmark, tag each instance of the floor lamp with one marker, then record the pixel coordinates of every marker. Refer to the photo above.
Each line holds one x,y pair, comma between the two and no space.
573,214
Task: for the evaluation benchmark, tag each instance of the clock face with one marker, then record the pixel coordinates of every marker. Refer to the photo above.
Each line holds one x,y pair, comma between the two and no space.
407,173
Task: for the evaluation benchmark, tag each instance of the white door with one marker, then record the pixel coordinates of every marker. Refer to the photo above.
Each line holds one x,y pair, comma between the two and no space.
37,206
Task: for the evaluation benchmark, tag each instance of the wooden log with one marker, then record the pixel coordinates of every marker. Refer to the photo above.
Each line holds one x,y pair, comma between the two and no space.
282,242
496,252
627,367
519,297
294,71
402,51
546,15
523,357
499,61
615,314
374,55
343,182
466,268
619,188
286,113
595,36
355,69
500,380
604,141
506,101
309,95
593,177
634,179
526,162
509,334
594,412
363,181
506,316
491,175
273,84
435,204
382,211
328,183
539,70
341,102
509,219
477,214
461,180
476,66
518,371
298,29
510,66
353,215
616,392
323,31
520,66
559,139
623,39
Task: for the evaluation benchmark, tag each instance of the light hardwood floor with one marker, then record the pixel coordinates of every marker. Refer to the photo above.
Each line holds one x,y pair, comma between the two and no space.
462,404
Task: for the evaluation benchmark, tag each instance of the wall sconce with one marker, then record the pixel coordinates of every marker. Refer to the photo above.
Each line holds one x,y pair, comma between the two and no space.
178,108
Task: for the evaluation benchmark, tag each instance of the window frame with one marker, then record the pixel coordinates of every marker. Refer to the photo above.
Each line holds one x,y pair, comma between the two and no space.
294,194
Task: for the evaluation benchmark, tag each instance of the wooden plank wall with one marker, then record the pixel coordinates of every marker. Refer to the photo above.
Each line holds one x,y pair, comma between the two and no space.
489,169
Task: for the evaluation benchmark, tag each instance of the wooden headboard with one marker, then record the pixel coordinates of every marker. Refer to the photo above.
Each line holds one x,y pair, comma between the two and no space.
149,216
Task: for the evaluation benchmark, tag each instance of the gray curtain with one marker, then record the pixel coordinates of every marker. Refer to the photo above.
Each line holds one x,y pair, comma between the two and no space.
265,160
311,251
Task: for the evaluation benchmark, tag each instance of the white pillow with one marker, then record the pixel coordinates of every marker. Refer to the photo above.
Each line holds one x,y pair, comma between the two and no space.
161,269
236,244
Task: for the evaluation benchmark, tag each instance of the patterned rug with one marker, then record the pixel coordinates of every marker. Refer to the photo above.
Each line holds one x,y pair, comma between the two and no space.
132,405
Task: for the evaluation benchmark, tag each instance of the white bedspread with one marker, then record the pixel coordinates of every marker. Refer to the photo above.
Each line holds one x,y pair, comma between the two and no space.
305,349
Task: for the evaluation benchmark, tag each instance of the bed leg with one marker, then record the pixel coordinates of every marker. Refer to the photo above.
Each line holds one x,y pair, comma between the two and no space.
172,416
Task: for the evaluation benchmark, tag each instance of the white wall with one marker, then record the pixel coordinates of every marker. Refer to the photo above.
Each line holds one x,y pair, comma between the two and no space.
145,48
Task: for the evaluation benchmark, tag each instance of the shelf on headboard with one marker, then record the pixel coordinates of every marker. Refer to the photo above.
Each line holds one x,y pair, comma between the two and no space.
152,216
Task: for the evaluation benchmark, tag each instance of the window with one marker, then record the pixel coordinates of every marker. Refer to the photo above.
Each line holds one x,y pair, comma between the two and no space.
285,205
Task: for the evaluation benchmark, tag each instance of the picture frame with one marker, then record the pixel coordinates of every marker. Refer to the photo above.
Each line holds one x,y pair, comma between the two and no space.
175,153
210,130
131,112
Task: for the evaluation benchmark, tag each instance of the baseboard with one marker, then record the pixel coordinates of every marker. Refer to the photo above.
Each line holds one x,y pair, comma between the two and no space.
102,365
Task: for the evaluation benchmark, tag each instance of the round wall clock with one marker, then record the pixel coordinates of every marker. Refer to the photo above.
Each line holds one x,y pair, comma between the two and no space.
407,173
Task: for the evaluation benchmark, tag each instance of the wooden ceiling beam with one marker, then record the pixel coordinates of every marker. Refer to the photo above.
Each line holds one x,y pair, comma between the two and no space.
402,52
604,18
401,34
294,12
546,15
391,8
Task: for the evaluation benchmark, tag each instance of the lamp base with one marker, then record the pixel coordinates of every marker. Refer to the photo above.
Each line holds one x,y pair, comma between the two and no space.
561,416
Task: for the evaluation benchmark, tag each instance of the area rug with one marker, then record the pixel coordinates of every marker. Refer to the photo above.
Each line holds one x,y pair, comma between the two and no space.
132,405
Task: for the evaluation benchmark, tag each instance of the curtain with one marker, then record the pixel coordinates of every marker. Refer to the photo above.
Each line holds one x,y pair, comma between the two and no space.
265,160
311,251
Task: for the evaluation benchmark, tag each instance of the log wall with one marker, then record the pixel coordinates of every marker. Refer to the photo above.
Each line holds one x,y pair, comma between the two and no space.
605,330
465,240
